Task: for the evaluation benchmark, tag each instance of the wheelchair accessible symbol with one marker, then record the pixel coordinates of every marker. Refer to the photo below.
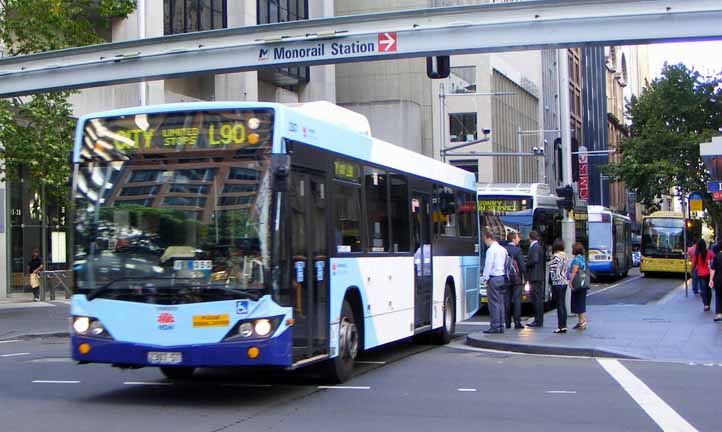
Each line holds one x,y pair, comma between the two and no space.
242,307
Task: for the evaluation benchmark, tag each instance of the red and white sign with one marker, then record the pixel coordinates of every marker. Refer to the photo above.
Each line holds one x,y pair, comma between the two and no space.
717,196
583,174
387,42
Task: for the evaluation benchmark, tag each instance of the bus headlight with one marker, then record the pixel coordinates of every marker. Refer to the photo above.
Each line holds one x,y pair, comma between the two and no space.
96,328
263,327
245,330
81,324
527,287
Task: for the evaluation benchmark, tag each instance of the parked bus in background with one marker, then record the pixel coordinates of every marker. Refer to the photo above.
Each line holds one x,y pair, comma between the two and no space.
257,234
610,243
520,208
663,246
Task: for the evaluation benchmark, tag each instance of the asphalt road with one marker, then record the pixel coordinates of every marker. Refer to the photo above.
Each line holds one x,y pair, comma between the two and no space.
634,289
403,388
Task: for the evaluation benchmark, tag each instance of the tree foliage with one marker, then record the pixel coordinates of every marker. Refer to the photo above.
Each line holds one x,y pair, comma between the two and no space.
36,133
675,113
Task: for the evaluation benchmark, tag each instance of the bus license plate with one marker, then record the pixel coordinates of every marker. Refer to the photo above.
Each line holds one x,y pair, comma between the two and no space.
165,357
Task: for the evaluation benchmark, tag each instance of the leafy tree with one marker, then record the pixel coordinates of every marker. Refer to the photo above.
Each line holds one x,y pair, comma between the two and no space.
675,113
36,133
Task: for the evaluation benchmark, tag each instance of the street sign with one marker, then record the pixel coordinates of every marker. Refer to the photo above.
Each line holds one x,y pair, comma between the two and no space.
714,186
695,202
717,196
387,42
583,173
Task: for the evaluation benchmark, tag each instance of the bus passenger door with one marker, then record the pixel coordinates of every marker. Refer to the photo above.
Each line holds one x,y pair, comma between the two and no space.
309,255
422,259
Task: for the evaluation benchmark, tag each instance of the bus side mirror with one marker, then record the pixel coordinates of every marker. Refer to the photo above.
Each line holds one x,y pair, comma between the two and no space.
281,168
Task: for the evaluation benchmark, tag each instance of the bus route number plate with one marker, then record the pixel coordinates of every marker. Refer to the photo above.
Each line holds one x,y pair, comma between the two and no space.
165,357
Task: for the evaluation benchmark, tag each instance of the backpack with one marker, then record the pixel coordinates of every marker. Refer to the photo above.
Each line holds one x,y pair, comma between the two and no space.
511,271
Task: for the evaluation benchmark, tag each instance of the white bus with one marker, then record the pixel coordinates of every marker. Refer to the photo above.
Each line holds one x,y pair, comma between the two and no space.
257,234
520,208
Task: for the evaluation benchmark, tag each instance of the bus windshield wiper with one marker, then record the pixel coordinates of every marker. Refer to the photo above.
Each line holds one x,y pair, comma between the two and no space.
101,289
184,284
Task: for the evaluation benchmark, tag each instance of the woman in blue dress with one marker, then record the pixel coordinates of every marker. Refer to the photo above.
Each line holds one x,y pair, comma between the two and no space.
579,296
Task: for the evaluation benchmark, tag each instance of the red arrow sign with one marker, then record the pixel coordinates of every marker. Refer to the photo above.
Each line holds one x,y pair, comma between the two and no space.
387,42
717,196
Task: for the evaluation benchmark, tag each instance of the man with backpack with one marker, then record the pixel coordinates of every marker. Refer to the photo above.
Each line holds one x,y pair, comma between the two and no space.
515,281
494,279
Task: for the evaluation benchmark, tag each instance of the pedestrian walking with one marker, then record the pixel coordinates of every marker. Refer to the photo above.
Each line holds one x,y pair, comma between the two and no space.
35,266
512,295
493,278
691,254
536,275
578,285
716,284
558,271
700,265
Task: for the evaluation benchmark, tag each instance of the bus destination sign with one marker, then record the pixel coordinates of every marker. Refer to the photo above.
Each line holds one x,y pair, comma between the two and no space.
504,205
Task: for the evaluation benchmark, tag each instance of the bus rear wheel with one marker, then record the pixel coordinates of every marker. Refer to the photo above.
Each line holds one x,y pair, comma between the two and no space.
177,372
341,367
448,328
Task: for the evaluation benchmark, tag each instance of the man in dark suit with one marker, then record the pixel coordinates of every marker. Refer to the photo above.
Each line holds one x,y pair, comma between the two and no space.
512,296
535,276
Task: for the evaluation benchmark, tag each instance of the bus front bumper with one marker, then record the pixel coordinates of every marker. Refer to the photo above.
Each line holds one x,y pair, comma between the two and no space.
601,267
275,351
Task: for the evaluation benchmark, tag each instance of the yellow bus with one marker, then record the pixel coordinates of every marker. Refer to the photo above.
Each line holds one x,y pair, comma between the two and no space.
663,246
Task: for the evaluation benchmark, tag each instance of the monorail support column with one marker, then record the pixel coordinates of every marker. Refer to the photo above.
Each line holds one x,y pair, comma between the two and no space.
568,225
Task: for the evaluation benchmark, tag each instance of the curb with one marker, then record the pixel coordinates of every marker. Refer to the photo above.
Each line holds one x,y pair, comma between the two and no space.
498,345
37,335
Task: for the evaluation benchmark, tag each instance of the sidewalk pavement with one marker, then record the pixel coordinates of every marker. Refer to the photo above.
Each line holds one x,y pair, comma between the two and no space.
20,317
673,329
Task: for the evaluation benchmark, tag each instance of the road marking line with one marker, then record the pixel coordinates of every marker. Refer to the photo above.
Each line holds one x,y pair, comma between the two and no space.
371,362
247,385
345,387
141,383
54,382
475,323
657,409
614,286
561,392
9,341
14,355
466,390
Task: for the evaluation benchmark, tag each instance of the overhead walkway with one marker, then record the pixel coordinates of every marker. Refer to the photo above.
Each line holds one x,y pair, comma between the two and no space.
438,31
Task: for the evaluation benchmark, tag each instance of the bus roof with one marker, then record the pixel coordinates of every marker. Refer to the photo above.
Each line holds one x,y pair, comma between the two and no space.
665,214
322,125
597,209
540,192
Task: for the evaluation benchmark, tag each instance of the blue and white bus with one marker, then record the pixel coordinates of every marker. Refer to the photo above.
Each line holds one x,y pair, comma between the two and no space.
520,208
257,234
610,243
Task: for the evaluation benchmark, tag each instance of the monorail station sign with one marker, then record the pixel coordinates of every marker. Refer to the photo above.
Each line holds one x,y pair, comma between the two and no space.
385,42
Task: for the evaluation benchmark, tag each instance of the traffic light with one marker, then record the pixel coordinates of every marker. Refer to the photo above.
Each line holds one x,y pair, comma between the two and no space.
438,67
566,198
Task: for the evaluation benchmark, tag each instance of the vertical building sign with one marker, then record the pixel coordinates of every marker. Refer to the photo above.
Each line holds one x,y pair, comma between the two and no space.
583,174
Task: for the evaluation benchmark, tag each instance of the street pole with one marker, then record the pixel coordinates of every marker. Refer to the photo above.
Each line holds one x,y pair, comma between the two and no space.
684,248
568,225
442,109
519,146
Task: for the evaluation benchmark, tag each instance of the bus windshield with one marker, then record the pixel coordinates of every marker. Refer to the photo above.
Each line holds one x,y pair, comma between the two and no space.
600,236
663,238
175,207
502,215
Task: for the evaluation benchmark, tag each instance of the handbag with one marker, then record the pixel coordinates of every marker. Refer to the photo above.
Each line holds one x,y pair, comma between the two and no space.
579,283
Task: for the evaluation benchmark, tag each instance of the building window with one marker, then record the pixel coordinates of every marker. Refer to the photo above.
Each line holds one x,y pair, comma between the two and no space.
462,127
274,11
467,165
185,16
462,79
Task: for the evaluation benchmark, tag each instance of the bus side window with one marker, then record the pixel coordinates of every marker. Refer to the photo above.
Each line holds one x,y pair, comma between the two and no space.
347,218
400,205
377,212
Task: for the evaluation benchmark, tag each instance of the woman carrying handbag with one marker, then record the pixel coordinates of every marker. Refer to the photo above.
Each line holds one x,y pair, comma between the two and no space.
558,272
579,286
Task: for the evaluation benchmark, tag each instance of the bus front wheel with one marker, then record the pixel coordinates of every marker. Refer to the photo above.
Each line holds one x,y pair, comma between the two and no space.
177,372
341,367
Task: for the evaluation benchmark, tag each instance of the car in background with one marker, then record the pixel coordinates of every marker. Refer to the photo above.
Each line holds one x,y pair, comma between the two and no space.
636,258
